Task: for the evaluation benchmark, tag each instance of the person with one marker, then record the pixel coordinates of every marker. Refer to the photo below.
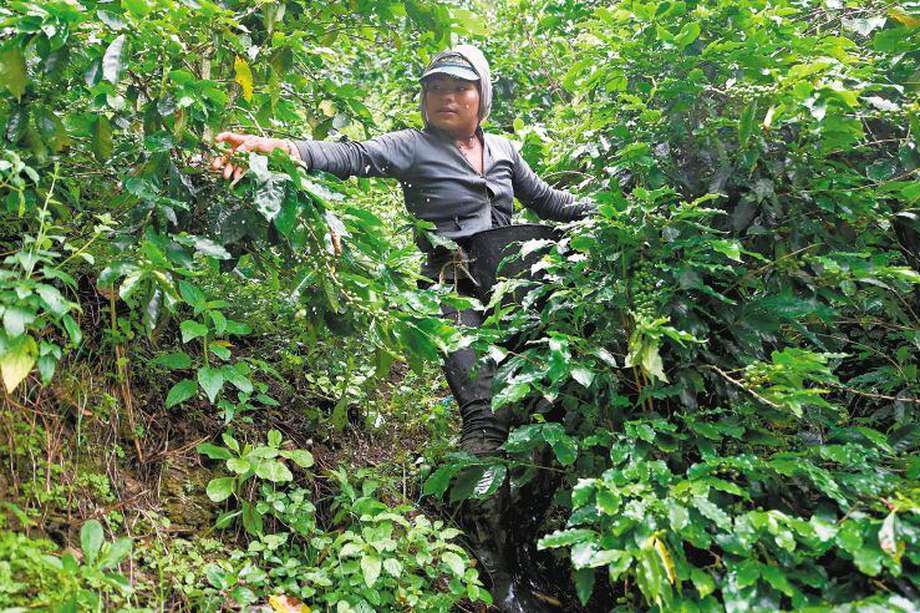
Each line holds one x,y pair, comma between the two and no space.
464,181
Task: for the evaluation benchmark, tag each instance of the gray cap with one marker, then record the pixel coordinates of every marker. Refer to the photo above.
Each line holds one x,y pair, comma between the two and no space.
480,66
452,65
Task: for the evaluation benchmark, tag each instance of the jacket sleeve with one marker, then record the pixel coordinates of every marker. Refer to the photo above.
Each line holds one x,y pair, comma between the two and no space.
545,201
388,155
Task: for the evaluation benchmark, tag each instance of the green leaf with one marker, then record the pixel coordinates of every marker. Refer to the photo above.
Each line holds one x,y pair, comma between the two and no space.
887,536
466,482
220,489
206,246
55,135
239,465
213,451
876,437
777,579
564,538
113,60
116,552
239,380
370,569
230,442
268,198
47,364
252,519
393,567
491,480
469,22
437,483
711,511
274,438
177,360
138,8
102,138
747,573
274,471
453,562
913,468
351,549
192,329
747,122
237,328
301,457
583,375
91,538
644,351
702,581
678,515
562,444
112,20
605,356
220,322
220,351
689,33
584,584
728,248
73,330
16,318
13,72
608,502
211,381
510,394
180,392
53,299
192,295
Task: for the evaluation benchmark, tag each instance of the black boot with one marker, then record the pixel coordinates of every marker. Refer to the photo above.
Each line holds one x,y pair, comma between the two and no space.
493,543
528,506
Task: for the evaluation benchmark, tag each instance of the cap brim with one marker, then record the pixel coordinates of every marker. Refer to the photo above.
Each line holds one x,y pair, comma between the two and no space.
457,72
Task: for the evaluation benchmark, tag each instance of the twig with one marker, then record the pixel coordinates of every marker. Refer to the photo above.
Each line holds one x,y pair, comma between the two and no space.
179,450
873,395
725,376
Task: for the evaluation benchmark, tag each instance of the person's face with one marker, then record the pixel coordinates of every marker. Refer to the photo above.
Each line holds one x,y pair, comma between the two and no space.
452,104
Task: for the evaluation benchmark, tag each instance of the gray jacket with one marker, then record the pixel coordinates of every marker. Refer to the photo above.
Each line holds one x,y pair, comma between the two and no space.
440,185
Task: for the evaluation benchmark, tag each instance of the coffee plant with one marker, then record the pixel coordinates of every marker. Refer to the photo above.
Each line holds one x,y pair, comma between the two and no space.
732,338
720,362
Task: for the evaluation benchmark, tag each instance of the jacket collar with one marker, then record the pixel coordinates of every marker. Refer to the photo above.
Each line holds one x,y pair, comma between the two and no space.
447,137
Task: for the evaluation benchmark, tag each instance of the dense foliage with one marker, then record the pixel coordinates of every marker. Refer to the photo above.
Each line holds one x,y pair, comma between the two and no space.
730,339
734,336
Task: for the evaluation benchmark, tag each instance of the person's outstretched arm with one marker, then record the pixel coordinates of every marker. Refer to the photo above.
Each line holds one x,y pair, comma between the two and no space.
388,155
545,201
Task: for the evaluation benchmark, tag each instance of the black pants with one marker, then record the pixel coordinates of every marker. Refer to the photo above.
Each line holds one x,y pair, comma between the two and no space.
470,380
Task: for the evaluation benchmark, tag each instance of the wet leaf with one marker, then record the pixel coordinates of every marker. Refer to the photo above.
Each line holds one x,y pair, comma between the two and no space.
113,60
220,489
370,569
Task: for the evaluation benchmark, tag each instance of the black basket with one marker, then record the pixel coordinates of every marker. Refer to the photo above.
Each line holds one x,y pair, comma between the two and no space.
488,248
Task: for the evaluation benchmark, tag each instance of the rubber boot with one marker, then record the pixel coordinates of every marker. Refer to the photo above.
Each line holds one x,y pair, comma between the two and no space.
529,504
492,540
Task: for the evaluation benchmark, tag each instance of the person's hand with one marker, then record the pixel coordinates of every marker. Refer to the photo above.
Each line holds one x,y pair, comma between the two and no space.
240,143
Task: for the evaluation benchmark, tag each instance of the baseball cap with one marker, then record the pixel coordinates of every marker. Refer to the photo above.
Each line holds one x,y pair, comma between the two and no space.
452,65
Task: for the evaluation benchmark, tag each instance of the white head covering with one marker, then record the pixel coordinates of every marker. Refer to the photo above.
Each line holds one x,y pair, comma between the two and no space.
475,57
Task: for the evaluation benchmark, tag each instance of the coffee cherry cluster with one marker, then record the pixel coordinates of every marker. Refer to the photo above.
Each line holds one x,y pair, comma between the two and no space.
757,375
644,293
